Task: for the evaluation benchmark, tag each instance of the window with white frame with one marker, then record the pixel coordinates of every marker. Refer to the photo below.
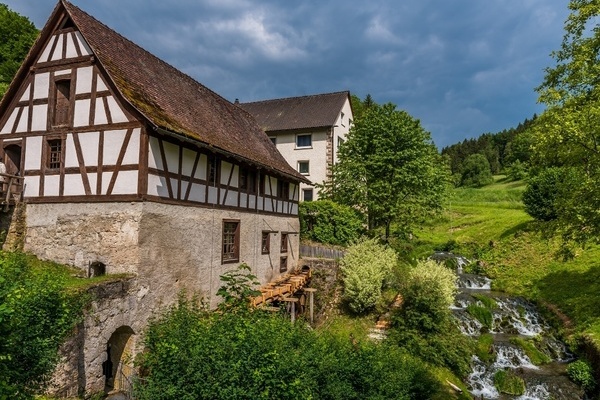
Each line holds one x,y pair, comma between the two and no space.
307,194
303,141
304,167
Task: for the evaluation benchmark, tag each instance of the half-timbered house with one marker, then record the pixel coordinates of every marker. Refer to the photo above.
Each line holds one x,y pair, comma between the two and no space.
131,166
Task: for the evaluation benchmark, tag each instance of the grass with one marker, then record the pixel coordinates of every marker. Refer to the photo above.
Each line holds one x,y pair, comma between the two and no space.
535,355
74,277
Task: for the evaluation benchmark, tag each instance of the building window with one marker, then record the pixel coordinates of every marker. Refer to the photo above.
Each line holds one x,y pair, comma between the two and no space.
273,139
340,141
261,184
283,264
303,167
342,119
307,194
265,245
231,241
303,141
212,170
247,180
284,242
283,189
62,102
55,149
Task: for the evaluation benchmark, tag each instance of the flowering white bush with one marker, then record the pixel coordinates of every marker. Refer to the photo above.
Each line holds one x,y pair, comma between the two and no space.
429,273
364,268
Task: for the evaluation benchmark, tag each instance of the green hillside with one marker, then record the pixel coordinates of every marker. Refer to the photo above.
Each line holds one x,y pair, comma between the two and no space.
490,225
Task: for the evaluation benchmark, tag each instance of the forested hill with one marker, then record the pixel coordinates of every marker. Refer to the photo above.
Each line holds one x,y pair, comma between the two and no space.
501,149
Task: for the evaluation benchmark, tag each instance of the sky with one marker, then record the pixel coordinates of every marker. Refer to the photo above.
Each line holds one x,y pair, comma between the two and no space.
462,67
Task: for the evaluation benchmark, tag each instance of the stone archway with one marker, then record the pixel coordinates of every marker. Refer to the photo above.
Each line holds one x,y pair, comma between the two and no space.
118,367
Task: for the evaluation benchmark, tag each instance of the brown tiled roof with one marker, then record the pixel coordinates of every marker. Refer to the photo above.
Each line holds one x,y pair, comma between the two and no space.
173,101
304,112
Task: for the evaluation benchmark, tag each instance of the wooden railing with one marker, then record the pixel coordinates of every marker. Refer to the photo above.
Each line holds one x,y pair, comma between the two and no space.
308,251
11,189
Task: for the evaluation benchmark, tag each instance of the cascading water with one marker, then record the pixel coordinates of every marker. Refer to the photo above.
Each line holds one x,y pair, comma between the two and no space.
517,329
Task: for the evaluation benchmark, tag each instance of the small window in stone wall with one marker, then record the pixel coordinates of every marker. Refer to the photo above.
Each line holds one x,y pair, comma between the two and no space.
283,264
266,242
284,242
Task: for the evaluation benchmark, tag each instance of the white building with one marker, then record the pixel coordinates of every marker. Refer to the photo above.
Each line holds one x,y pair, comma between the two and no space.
307,131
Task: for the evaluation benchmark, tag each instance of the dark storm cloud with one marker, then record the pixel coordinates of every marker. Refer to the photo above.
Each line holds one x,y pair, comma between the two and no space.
463,67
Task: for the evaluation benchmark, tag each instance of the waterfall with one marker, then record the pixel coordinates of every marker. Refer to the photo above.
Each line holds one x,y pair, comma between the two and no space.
517,329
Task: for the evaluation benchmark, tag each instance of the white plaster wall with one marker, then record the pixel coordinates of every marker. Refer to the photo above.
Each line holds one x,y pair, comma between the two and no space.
33,152
342,128
180,248
316,155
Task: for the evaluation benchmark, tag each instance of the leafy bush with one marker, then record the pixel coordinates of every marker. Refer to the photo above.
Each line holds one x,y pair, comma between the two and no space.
424,324
237,288
365,266
428,294
325,221
36,315
540,195
582,373
517,171
476,171
196,354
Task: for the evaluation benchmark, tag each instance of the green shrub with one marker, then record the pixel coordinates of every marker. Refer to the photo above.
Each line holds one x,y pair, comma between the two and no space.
540,195
364,268
428,294
517,171
424,325
325,221
582,373
37,313
507,382
476,171
196,354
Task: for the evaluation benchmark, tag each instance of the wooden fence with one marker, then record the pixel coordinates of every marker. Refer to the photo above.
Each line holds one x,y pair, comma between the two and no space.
308,251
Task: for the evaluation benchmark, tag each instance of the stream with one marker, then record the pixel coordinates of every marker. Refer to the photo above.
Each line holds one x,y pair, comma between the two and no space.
519,342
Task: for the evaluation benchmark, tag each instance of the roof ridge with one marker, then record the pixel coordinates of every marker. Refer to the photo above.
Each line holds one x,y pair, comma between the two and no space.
299,97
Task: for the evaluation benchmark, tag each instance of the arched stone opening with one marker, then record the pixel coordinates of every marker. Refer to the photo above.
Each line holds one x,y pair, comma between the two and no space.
118,367
96,269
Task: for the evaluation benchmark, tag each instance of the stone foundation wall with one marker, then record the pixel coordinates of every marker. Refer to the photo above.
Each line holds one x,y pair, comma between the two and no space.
80,234
168,249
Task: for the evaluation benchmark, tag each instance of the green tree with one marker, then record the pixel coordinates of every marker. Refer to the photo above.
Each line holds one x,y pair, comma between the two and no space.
568,132
17,34
389,169
327,222
476,171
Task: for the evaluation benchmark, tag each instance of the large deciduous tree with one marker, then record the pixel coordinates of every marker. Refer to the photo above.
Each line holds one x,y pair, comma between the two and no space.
389,169
568,132
17,34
